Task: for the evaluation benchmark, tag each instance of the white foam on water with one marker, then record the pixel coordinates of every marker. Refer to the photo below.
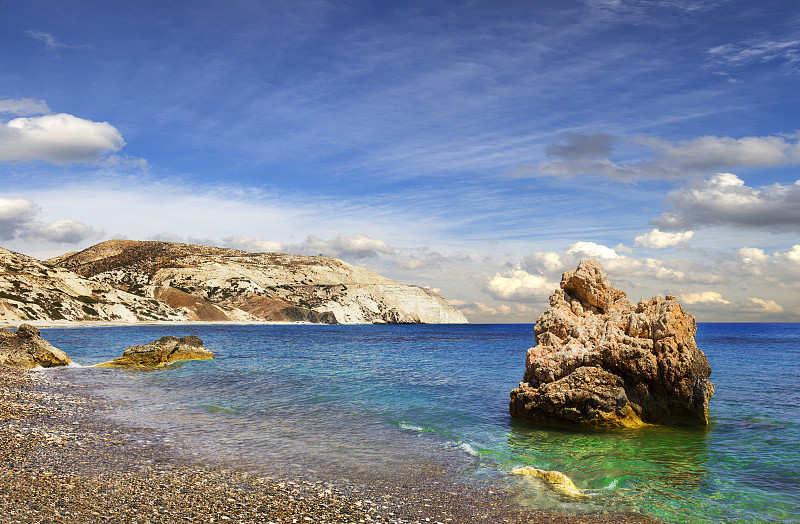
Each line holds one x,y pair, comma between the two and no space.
465,446
412,427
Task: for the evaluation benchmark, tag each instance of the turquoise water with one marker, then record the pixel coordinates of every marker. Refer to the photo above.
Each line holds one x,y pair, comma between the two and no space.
349,401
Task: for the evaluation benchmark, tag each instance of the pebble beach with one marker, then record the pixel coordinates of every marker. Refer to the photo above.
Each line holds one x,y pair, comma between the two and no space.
63,462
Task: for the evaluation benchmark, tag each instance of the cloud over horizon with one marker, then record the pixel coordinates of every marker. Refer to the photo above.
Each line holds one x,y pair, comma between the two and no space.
18,220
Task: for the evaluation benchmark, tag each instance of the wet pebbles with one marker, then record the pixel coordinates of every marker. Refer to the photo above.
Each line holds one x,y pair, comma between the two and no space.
61,462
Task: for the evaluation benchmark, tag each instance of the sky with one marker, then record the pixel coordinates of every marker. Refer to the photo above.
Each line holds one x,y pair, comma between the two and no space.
479,148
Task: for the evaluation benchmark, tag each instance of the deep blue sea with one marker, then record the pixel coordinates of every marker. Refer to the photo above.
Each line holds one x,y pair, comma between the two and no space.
348,401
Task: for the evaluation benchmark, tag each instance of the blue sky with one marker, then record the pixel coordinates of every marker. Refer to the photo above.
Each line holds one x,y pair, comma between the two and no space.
479,148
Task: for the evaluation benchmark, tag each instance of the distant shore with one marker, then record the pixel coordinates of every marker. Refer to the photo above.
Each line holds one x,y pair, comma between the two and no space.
104,323
62,462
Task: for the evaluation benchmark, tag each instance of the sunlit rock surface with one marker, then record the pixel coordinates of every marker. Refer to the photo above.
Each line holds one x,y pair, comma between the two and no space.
162,352
601,361
27,349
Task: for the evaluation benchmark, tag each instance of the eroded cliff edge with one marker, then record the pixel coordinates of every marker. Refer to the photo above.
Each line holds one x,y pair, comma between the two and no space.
600,361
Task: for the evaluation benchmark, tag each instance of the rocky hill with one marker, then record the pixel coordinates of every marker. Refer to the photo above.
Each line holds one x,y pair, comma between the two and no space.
32,290
209,283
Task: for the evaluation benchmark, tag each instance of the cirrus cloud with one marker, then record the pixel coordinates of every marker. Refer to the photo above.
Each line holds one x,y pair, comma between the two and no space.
23,106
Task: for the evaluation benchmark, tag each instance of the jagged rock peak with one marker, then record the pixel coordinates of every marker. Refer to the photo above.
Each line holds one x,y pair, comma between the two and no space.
600,361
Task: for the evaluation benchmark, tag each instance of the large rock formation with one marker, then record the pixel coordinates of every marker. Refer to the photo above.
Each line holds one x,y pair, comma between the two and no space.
27,349
601,361
161,352
210,283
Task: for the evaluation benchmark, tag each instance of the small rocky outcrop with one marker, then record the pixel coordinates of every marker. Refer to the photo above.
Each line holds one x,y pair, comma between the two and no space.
27,349
601,361
162,352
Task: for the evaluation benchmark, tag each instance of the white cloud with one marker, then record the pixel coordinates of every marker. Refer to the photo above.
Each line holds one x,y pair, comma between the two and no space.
518,284
64,231
18,220
254,245
753,51
543,260
355,246
767,306
703,297
715,152
60,139
50,41
23,106
793,254
15,215
659,239
593,250
724,199
753,255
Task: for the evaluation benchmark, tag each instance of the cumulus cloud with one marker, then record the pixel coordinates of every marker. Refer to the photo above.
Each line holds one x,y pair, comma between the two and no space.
592,250
656,239
766,306
543,261
355,246
252,244
64,231
725,200
753,255
23,106
793,254
15,215
518,284
60,139
18,220
703,297
662,159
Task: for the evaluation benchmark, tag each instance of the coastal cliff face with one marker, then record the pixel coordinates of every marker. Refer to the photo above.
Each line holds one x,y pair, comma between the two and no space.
601,361
209,283
32,290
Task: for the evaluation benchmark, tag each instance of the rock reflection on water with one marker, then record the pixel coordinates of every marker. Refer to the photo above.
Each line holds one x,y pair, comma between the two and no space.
653,470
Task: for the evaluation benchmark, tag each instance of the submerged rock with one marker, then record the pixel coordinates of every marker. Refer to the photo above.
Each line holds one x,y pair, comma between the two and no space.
602,362
162,352
555,480
27,349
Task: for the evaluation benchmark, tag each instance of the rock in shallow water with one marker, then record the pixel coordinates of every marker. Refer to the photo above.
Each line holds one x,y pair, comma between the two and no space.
27,349
601,362
162,352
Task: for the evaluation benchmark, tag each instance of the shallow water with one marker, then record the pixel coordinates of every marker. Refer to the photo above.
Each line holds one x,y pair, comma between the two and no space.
350,401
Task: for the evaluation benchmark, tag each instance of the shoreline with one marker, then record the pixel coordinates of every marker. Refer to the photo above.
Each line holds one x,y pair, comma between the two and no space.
63,462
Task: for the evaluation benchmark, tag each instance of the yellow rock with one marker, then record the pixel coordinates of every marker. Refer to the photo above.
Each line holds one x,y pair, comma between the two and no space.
555,480
160,353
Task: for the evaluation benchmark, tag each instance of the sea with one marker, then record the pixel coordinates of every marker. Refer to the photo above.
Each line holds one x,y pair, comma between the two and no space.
392,401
